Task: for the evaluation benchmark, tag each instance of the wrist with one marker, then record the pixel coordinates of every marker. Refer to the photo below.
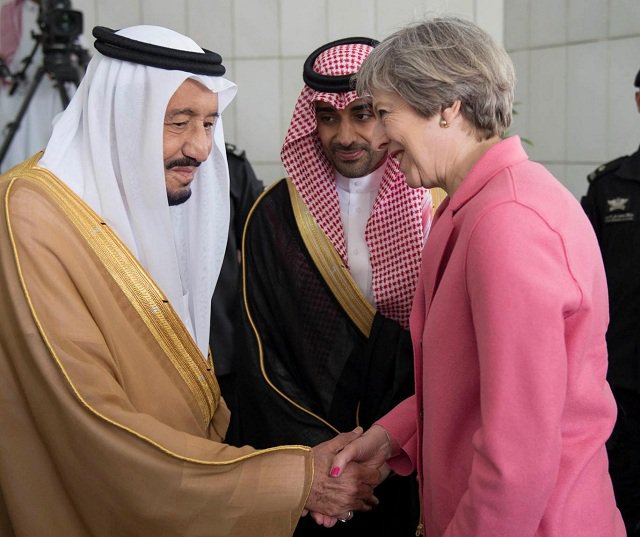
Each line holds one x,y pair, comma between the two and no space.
389,443
391,447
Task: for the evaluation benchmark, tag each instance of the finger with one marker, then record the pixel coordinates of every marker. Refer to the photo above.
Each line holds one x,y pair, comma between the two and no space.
345,456
363,506
344,439
371,448
370,475
323,520
367,503
317,517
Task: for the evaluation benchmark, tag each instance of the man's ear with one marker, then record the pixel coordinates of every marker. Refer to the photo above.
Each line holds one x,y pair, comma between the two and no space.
638,100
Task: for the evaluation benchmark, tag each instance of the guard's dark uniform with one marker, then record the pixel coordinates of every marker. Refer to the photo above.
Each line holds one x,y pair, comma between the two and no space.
613,206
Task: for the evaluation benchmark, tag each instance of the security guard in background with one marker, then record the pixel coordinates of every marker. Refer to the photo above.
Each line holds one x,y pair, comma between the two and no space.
225,337
613,206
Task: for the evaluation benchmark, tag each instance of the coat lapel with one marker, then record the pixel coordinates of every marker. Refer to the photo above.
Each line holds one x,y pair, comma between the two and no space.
438,250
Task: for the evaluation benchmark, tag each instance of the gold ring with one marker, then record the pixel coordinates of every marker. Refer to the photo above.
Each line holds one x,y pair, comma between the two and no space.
347,518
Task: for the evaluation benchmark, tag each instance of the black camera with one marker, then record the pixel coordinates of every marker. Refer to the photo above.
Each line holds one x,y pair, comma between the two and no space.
58,22
60,27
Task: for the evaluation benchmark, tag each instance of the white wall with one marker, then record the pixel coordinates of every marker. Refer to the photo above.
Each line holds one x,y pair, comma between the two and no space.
576,61
265,42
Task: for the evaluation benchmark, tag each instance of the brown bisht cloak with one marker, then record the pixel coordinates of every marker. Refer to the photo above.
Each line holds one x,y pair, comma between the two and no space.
111,420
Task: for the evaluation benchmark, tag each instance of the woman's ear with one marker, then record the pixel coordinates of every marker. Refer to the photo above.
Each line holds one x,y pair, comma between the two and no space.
451,112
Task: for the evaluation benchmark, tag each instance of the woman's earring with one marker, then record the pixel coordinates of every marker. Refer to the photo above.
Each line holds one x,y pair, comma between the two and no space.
443,123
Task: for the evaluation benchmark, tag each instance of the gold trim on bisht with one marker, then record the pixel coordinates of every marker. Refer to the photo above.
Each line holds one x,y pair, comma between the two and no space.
437,197
331,266
356,305
139,288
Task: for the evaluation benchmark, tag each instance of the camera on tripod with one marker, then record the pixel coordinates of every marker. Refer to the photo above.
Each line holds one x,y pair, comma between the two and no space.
60,28
60,25
64,61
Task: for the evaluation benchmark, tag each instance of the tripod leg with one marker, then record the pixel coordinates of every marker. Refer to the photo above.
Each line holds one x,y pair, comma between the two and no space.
13,127
64,97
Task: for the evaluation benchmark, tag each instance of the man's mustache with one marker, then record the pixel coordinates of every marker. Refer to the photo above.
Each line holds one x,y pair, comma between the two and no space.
182,162
347,148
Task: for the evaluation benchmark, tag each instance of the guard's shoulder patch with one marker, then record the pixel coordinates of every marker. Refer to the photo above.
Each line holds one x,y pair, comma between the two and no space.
233,150
606,168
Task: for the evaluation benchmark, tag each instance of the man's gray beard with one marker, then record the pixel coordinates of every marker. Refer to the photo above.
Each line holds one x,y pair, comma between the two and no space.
178,198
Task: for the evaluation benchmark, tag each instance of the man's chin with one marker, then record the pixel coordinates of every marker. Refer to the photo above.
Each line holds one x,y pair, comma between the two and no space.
353,169
178,198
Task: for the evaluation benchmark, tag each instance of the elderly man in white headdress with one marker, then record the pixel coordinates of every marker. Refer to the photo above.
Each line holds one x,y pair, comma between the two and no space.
111,242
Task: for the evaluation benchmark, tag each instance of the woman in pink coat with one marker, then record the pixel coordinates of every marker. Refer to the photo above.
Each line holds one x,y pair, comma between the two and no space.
508,425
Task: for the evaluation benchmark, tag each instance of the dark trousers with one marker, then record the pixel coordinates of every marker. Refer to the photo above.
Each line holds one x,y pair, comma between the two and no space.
623,448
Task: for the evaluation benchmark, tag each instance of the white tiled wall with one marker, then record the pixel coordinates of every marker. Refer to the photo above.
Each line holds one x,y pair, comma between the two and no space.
547,103
265,42
576,61
584,90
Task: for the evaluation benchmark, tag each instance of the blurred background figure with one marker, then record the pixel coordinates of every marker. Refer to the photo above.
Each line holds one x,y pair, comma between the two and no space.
613,206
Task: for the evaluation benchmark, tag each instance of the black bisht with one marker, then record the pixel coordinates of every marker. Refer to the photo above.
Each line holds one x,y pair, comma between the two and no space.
307,370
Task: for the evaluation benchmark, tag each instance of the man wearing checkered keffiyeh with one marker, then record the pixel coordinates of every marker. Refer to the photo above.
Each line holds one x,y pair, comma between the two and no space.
331,258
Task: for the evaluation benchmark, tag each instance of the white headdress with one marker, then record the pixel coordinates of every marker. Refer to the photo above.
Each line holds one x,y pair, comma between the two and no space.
107,146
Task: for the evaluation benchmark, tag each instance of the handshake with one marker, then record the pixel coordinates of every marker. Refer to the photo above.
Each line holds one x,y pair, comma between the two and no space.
346,470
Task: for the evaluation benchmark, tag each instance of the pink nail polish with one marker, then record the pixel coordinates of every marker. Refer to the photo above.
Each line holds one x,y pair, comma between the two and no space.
335,471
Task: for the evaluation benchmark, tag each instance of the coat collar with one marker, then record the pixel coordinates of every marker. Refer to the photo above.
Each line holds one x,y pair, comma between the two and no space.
443,231
505,153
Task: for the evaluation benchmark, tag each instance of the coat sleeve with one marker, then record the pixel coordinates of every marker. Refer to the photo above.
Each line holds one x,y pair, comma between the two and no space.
520,329
401,424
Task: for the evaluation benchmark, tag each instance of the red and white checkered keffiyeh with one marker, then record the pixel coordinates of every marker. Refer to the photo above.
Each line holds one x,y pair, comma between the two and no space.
395,230
10,29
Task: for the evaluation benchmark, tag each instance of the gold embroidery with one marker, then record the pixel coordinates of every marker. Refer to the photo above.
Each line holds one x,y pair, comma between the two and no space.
331,266
143,294
437,196
11,176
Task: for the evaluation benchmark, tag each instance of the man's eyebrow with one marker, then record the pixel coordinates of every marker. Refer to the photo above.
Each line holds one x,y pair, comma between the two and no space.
324,109
189,112
361,107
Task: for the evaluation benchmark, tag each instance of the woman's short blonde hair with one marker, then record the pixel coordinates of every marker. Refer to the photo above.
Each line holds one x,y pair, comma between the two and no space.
436,62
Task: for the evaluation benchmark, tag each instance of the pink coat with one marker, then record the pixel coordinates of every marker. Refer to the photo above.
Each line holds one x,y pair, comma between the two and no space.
512,410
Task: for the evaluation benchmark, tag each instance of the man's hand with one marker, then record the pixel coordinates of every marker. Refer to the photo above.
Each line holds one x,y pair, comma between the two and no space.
332,498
